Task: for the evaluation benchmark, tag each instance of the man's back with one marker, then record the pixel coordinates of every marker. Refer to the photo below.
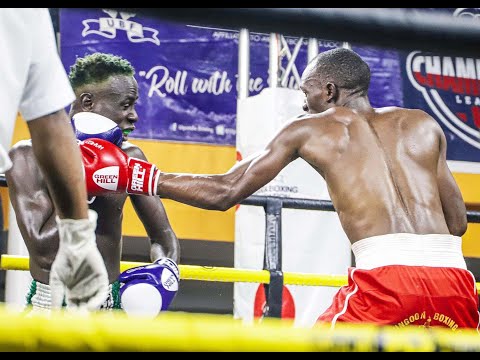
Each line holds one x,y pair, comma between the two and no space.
388,178
380,168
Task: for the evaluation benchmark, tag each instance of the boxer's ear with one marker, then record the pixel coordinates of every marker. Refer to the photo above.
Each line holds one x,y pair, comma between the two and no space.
86,101
332,92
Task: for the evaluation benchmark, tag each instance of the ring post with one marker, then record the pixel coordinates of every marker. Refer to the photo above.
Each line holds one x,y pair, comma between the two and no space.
272,260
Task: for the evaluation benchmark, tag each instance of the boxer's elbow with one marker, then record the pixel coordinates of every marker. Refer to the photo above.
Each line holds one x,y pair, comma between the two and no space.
459,228
224,205
225,199
222,202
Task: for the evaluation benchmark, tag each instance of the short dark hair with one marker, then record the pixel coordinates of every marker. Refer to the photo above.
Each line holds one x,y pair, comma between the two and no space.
345,68
98,67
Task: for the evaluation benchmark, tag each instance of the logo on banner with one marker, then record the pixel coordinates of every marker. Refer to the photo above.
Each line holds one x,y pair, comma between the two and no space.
451,88
108,26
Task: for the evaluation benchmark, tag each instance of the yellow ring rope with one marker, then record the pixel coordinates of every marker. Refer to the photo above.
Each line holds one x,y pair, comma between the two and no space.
177,331
210,273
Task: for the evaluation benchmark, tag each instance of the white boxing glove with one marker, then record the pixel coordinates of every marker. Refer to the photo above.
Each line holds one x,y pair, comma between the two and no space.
78,272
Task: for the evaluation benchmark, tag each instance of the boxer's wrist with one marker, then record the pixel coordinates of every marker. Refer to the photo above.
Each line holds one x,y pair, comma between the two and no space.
170,264
77,232
143,177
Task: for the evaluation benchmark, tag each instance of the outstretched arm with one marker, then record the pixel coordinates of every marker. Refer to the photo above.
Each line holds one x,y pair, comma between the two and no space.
452,202
222,191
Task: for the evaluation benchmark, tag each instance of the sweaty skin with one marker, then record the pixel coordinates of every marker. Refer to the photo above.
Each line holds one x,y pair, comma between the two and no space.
115,99
385,168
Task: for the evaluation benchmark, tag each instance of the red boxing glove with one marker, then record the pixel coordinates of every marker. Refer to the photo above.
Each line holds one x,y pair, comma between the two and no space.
109,170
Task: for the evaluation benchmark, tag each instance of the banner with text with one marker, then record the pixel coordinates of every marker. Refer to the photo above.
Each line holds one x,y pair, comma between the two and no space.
187,75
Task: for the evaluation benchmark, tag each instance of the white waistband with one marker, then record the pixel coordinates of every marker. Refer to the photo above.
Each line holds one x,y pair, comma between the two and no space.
436,250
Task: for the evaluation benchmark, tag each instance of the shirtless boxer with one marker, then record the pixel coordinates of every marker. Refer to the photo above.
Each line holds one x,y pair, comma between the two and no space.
106,92
388,179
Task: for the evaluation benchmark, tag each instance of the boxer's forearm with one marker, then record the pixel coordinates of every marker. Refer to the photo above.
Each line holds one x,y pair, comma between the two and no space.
166,246
57,153
211,192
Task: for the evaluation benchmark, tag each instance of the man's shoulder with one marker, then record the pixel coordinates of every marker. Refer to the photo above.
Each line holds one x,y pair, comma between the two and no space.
401,110
26,164
411,119
22,146
132,150
127,145
336,116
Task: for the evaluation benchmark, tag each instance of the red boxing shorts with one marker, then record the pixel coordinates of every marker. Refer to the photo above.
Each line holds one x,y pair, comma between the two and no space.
408,279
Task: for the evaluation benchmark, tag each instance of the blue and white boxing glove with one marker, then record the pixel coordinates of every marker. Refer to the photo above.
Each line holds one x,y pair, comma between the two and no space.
91,125
148,290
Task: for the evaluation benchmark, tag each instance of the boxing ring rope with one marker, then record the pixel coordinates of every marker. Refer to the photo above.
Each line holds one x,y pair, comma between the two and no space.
178,331
171,331
406,29
212,273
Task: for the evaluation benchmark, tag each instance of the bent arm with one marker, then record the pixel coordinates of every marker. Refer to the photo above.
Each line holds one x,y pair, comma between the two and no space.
58,156
31,201
452,201
151,212
222,191
163,241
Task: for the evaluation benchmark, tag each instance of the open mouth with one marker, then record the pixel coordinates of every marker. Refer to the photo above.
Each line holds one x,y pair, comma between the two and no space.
126,132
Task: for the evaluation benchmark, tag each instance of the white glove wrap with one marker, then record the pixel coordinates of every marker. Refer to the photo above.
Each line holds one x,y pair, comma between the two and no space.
78,273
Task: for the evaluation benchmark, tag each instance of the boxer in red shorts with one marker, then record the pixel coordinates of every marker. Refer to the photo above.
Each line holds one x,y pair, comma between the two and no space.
388,178
407,279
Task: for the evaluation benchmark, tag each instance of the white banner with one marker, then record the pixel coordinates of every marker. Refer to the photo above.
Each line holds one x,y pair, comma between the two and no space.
312,241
